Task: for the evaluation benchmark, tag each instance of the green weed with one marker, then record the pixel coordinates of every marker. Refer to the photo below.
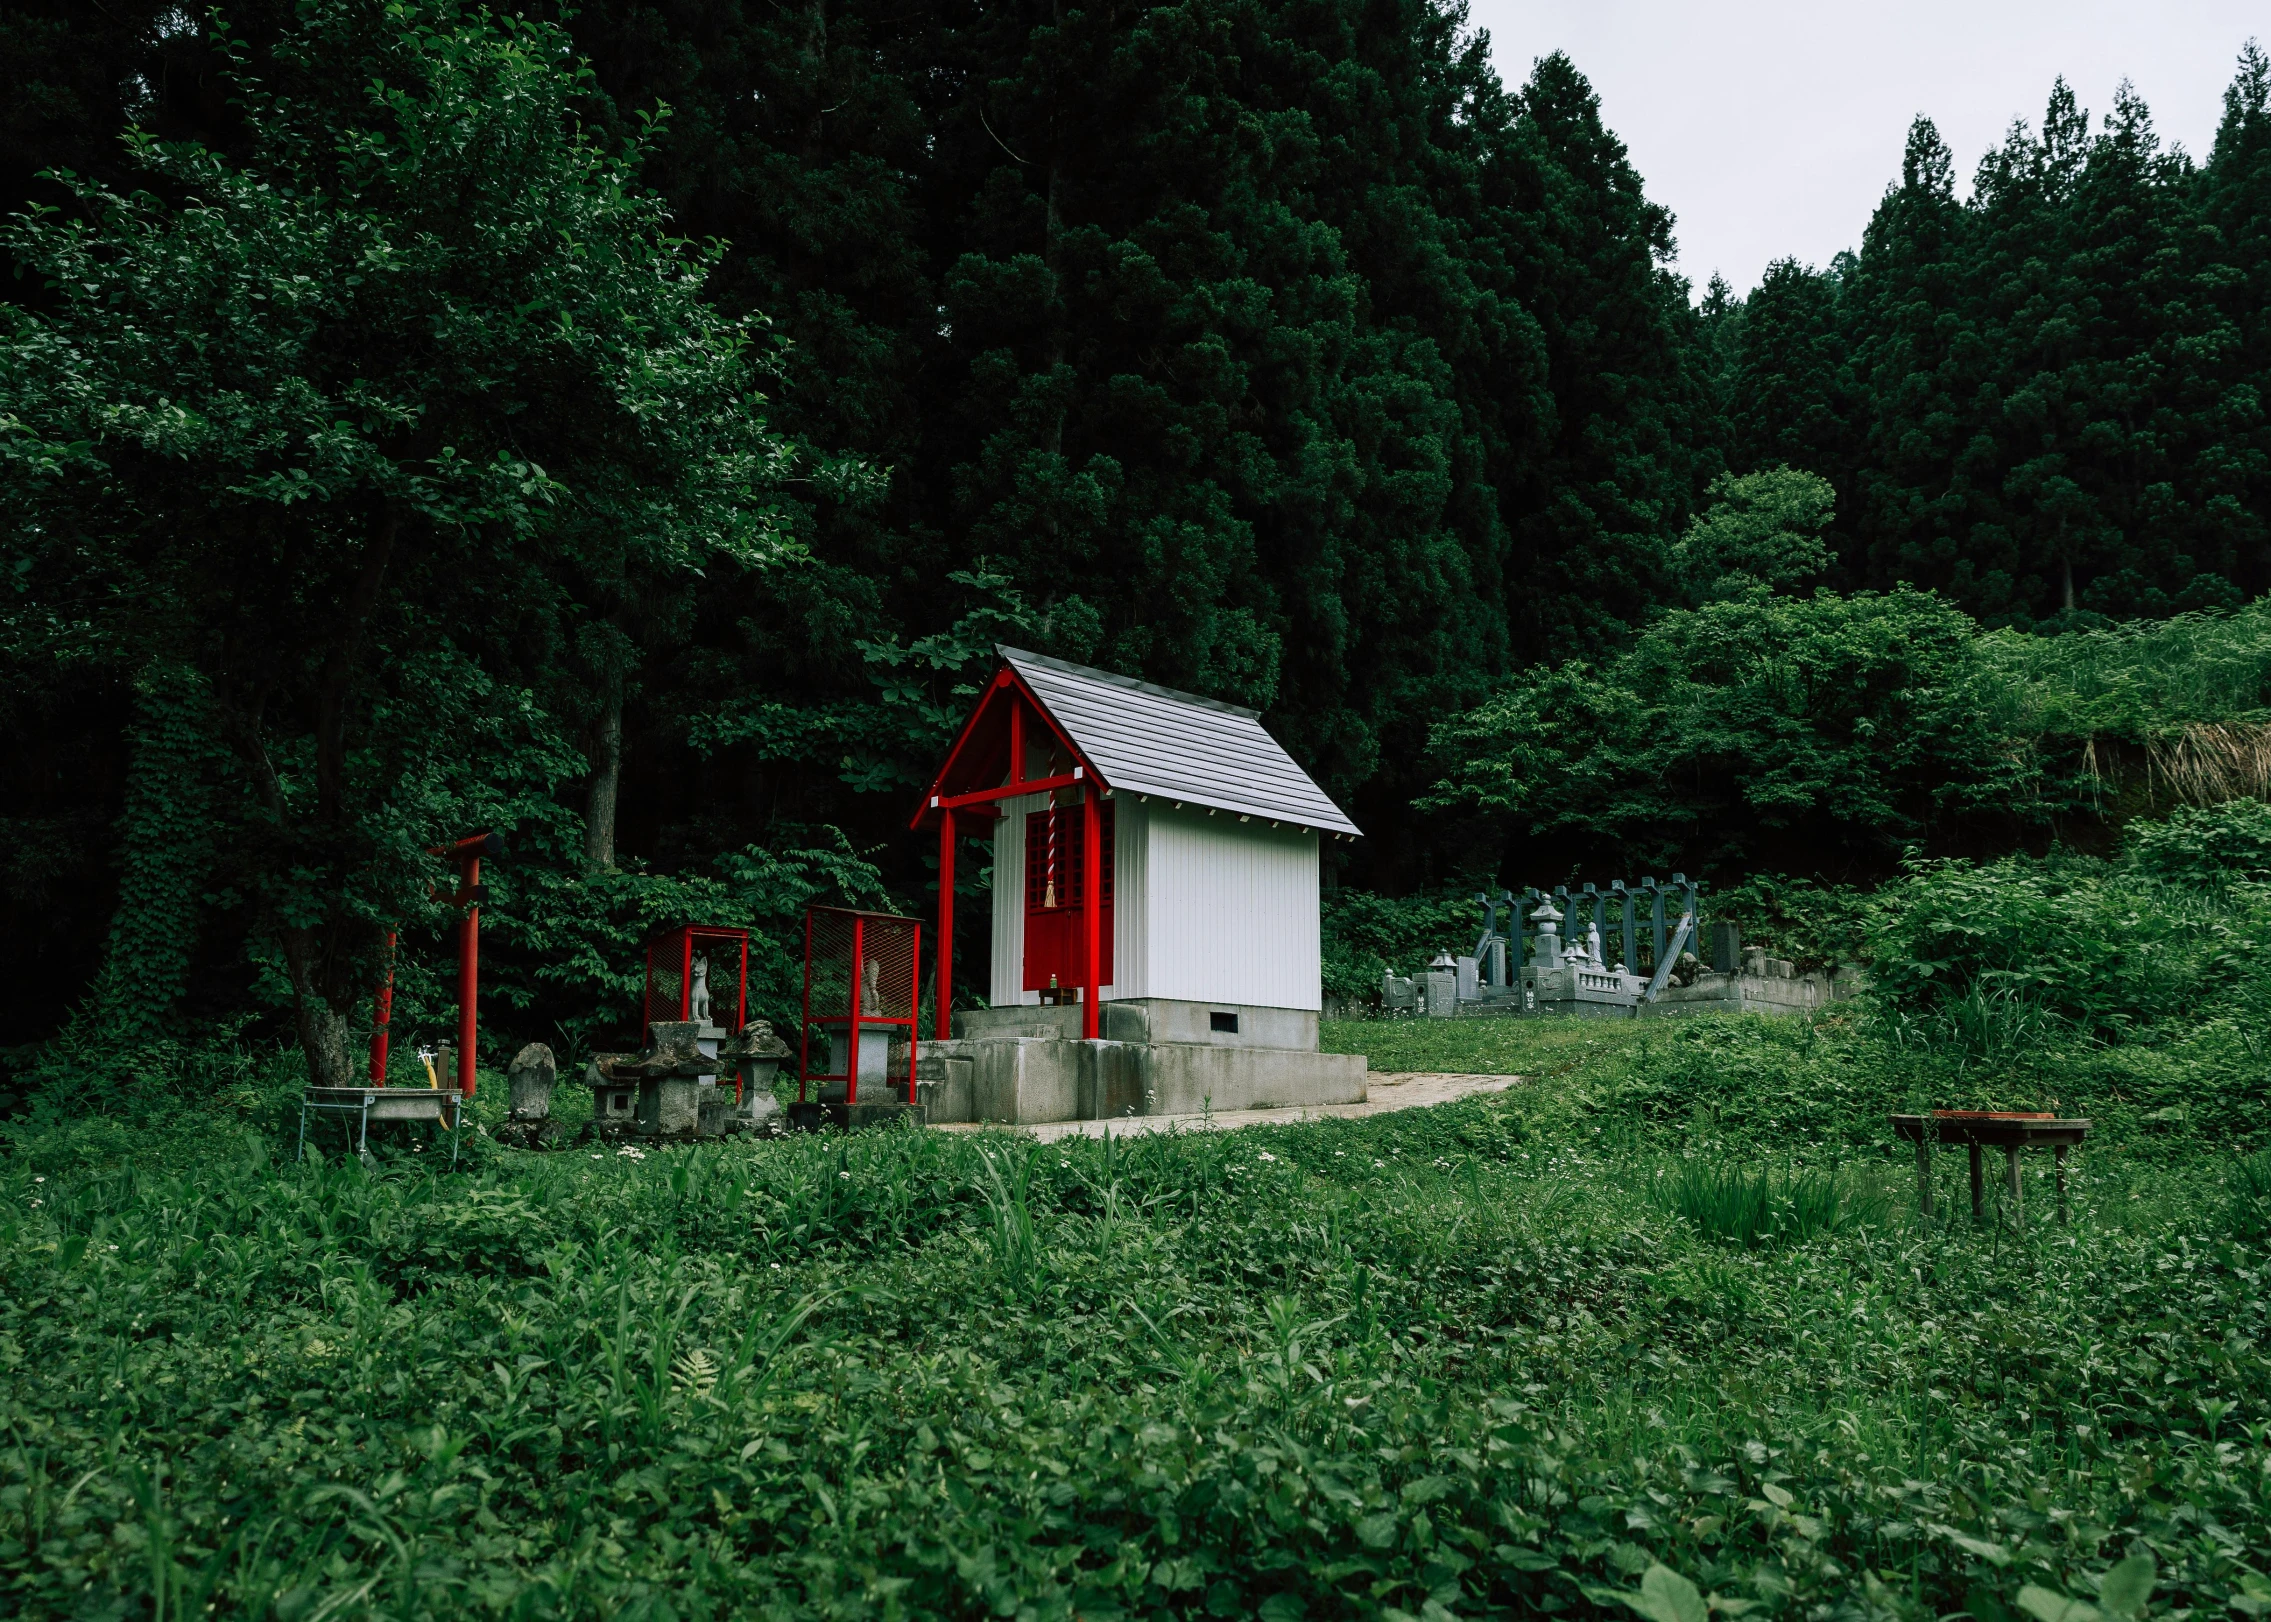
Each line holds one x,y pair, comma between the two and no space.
1507,1356
1757,1208
2250,1196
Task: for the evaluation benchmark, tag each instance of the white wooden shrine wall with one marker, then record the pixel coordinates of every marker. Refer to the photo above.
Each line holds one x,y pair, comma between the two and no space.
1131,899
1231,911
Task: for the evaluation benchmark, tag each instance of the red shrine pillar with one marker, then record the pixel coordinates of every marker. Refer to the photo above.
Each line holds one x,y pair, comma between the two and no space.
467,854
382,1013
1091,904
469,971
945,993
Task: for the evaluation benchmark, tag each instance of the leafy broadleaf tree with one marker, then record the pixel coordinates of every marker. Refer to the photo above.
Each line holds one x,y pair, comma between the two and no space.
1820,732
342,432
1761,529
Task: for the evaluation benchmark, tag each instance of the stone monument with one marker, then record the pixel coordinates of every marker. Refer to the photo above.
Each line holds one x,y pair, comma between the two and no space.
528,1121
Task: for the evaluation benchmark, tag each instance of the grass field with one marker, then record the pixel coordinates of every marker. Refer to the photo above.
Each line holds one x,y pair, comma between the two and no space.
1657,1330
1488,1047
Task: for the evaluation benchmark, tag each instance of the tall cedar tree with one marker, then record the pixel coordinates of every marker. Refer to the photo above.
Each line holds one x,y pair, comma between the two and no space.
1216,315
2044,400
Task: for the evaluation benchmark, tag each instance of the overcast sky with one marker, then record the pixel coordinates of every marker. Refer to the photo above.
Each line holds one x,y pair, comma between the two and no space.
1771,128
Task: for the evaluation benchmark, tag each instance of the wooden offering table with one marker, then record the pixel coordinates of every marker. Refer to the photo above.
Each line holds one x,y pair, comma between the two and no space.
2007,1130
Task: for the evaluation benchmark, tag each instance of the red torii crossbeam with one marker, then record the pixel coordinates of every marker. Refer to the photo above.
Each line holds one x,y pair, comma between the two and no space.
988,764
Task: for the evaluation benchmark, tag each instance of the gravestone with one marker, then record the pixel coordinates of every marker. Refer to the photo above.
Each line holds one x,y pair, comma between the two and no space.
532,1075
528,1122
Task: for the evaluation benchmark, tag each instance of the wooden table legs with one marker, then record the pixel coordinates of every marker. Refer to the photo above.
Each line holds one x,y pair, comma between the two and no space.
1980,1130
2013,1189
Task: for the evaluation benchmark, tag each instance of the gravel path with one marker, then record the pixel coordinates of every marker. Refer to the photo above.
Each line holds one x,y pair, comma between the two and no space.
1386,1090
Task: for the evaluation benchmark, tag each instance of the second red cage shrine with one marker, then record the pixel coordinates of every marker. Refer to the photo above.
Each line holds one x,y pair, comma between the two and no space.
860,1005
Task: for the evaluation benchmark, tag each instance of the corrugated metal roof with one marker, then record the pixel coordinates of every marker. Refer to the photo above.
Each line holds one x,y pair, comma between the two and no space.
1177,746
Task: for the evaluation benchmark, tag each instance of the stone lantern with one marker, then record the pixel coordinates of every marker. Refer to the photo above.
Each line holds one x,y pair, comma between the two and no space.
1442,986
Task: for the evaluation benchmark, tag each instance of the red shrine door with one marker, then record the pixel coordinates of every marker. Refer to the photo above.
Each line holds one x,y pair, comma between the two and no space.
1055,941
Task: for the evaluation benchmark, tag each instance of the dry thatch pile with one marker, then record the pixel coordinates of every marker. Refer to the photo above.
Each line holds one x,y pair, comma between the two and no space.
2193,763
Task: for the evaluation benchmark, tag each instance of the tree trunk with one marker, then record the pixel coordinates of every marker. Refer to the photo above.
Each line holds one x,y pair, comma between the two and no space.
606,779
322,1028
316,1019
2066,570
1052,231
816,62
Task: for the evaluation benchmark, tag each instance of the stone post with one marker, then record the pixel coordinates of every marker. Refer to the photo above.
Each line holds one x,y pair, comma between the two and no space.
532,1075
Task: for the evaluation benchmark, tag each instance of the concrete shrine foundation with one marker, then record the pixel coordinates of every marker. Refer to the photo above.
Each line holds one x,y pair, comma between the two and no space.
1157,1056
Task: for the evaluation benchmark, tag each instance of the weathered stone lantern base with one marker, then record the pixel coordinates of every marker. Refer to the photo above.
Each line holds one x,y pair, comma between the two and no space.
681,1088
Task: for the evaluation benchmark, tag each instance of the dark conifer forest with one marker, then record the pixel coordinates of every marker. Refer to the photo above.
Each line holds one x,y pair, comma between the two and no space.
1277,350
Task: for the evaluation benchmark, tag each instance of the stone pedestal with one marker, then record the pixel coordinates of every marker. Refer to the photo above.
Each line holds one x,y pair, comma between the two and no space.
670,1107
1157,1057
1573,987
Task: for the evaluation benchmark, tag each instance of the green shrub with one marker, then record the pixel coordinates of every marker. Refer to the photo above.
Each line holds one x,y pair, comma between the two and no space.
1366,933
2205,846
2100,948
1818,926
1845,728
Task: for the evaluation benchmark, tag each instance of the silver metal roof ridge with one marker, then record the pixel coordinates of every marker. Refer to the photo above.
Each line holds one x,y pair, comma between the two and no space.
1065,667
1157,742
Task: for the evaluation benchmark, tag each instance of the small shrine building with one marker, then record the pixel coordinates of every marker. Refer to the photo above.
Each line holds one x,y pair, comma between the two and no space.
1155,859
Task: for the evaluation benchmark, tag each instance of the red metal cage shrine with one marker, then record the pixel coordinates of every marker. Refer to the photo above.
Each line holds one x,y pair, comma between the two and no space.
860,1005
673,975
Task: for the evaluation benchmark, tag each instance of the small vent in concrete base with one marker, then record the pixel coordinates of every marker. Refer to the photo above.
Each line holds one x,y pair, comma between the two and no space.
1219,1021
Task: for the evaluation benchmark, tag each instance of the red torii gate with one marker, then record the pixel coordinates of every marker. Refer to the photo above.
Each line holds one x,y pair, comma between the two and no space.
988,764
